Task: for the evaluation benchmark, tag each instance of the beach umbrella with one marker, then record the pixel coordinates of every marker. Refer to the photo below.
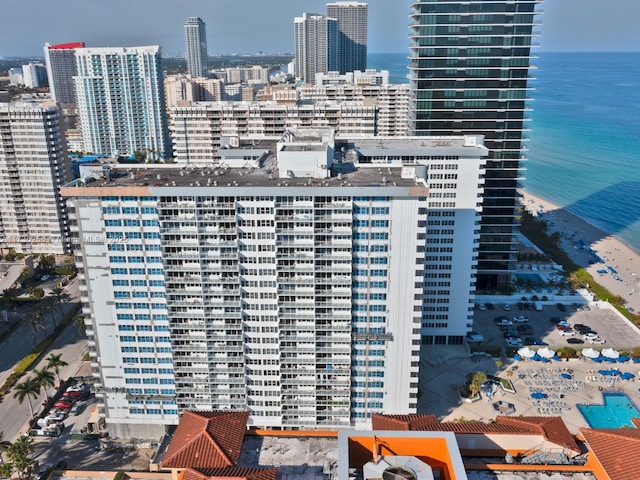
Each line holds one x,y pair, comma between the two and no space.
526,352
565,375
546,352
635,360
610,353
538,395
597,360
627,376
623,359
590,353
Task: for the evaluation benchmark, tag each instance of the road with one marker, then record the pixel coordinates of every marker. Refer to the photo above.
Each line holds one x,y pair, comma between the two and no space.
13,416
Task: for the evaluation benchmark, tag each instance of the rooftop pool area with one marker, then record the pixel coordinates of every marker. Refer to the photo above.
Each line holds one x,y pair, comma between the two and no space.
616,412
533,277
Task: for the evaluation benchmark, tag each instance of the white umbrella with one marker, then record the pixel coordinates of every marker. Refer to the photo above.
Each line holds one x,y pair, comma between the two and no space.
546,352
526,352
590,353
610,353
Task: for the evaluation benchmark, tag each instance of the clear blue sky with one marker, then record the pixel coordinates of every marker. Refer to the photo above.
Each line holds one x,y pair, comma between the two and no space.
247,26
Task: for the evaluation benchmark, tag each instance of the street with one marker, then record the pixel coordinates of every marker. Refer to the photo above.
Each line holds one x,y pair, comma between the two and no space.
72,346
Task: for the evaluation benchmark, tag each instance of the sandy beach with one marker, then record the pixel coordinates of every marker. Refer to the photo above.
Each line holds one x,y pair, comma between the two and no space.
578,234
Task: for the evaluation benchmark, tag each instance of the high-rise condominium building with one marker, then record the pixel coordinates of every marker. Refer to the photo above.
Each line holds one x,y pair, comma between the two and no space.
352,34
33,167
469,75
121,102
34,75
293,279
61,68
316,45
195,34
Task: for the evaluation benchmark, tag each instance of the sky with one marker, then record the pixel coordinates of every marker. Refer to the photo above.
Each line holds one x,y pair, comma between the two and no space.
250,26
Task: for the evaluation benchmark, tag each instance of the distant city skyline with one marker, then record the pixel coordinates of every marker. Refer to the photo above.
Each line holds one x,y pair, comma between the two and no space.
249,27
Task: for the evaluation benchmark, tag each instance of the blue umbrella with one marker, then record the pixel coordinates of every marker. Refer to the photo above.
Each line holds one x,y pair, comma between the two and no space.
536,357
610,360
627,376
556,358
538,395
544,360
596,360
635,360
565,375
623,358
517,357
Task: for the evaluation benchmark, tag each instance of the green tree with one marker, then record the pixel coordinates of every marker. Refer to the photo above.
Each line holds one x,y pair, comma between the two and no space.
35,319
19,454
44,379
78,321
28,389
8,297
36,293
55,363
476,379
46,263
59,297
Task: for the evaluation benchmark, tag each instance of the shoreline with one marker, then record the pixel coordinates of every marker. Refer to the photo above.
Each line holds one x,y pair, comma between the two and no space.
579,235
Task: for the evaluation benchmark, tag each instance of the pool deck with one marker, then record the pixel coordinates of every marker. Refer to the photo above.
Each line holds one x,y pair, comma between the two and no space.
447,367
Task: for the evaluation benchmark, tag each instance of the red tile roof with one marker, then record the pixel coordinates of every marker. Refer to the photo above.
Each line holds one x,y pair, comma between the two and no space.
551,428
229,473
206,440
616,450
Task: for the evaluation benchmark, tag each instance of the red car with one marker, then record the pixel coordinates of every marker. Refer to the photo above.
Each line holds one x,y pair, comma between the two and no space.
72,394
62,404
563,327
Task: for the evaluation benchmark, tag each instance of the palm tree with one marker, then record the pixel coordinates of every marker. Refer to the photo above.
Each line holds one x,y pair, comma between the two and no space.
36,293
44,378
27,389
34,317
60,297
19,454
55,363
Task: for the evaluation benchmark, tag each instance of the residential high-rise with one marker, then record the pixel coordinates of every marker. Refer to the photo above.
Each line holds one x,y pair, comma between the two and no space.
195,34
61,68
293,279
34,75
121,102
316,45
469,75
33,167
352,34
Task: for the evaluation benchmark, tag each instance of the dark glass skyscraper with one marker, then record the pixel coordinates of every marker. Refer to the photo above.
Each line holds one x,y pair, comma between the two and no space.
352,34
469,75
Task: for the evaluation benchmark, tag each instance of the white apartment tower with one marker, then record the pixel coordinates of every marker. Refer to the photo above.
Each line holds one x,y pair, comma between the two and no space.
195,34
60,60
293,279
316,43
352,34
33,166
121,102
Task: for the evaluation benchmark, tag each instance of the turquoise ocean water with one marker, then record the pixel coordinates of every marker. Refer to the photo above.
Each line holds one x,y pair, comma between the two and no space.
584,149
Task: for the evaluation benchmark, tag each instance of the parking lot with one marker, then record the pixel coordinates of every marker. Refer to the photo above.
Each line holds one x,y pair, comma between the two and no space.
616,332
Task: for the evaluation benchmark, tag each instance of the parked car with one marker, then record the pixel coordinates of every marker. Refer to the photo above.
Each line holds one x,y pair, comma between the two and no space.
588,335
63,404
534,341
563,327
596,341
575,340
61,465
503,321
514,342
490,306
55,417
481,306
510,333
525,329
520,319
474,337
561,307
567,333
506,306
555,320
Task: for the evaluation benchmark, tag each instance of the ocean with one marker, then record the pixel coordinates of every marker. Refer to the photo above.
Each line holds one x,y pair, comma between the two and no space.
584,148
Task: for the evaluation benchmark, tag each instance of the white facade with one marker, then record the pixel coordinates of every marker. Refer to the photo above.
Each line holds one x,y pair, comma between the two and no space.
316,42
299,299
352,20
33,166
121,102
34,75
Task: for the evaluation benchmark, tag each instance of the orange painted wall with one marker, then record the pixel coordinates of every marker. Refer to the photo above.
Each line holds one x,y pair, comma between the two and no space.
433,451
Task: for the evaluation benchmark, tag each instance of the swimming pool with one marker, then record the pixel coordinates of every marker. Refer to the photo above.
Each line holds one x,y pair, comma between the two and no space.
534,277
617,412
